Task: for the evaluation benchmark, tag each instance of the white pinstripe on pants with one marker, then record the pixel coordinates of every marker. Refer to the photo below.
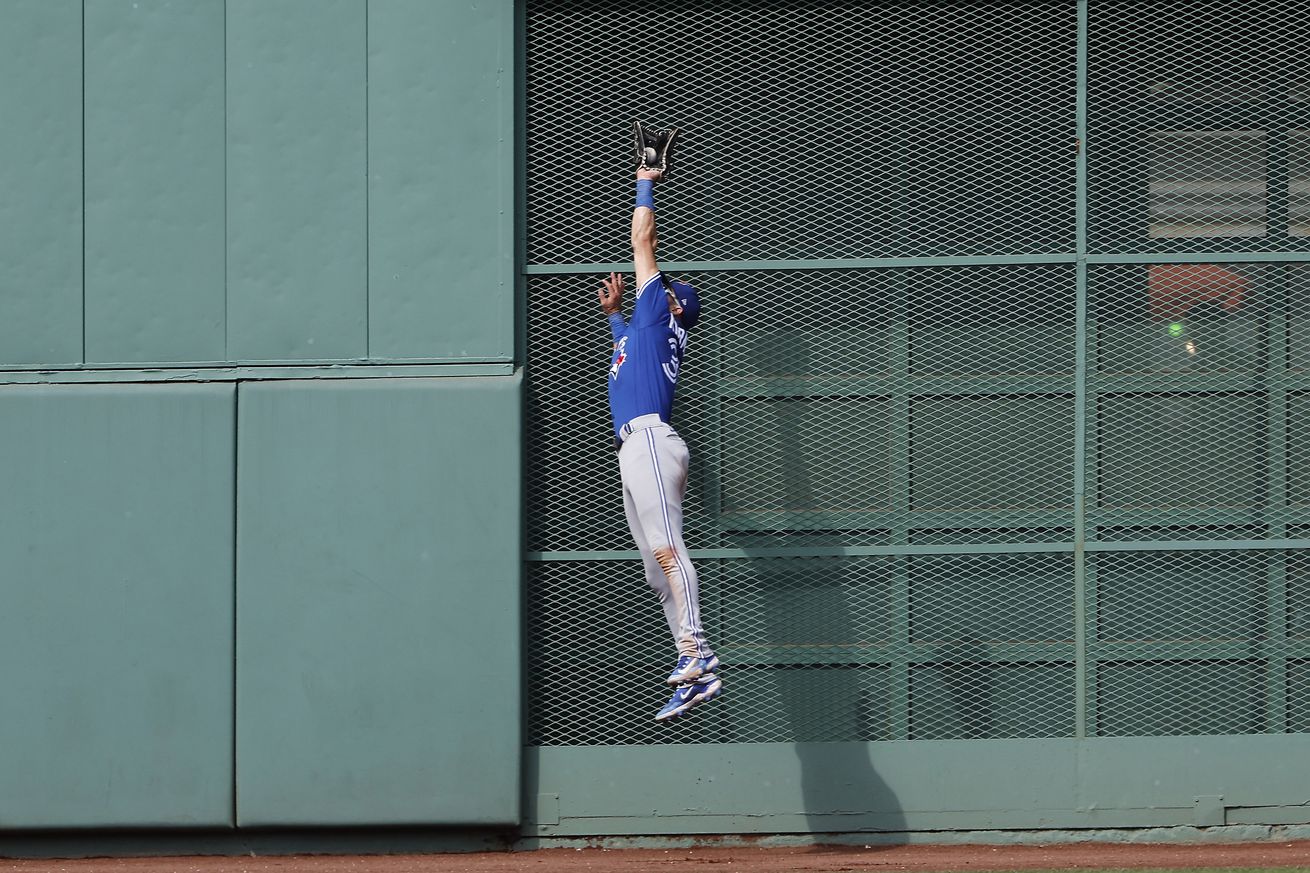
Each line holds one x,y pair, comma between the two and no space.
653,463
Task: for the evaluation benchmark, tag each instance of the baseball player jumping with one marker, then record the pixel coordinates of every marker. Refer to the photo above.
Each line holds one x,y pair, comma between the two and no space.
653,459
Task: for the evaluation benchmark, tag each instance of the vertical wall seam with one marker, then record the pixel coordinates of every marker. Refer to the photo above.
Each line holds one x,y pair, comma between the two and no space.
83,355
236,661
518,174
1080,385
236,436
227,147
368,204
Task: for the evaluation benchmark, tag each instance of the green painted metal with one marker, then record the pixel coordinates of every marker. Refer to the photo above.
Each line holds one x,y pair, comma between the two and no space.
377,596
352,215
441,164
520,223
1200,545
244,843
1244,826
200,373
1143,772
1279,440
1080,133
116,575
155,199
1080,434
903,654
814,551
248,179
803,264
296,180
965,549
1203,382
882,387
1182,650
41,176
923,512
912,786
1198,257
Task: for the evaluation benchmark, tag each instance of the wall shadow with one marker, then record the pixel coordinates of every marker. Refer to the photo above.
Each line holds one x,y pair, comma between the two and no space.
833,707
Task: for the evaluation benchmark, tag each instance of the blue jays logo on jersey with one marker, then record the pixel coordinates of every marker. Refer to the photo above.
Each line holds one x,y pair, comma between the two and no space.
620,355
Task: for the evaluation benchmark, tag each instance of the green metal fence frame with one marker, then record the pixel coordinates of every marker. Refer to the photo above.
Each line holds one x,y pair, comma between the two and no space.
1086,653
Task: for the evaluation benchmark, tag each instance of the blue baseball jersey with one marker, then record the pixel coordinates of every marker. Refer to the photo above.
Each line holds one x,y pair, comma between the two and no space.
647,355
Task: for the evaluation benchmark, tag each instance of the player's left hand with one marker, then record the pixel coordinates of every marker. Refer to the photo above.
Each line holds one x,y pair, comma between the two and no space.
611,294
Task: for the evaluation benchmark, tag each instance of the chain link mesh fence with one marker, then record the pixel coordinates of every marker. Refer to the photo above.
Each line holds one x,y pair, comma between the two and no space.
1197,121
824,130
888,458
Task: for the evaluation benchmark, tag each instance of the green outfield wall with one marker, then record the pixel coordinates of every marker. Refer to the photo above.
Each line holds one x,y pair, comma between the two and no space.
997,410
261,429
311,533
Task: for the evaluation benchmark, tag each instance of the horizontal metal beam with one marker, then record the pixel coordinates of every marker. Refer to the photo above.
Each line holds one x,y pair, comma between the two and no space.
888,386
807,264
816,552
754,523
1229,517
1210,257
229,373
1188,650
1207,257
963,549
925,652
1199,545
1156,383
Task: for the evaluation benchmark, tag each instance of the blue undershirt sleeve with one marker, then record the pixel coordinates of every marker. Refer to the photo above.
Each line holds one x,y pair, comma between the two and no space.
617,325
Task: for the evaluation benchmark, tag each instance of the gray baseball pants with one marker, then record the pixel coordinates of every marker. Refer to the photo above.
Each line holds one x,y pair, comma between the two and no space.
653,463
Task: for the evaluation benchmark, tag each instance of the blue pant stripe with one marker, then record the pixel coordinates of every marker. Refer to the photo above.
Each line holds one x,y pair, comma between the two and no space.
668,533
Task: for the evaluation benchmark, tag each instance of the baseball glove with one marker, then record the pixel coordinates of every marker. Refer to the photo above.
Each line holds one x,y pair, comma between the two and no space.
653,148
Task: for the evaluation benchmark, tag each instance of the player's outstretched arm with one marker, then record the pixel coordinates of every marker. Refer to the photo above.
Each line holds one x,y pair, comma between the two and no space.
643,227
610,294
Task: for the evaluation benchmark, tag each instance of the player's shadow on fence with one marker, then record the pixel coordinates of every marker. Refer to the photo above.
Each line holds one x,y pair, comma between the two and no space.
834,705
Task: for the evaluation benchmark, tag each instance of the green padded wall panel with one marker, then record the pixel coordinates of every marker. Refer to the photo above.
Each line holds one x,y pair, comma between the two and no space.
116,575
41,177
154,181
441,179
915,786
378,591
296,190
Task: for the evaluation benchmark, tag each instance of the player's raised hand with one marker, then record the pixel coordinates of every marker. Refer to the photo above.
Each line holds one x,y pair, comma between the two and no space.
611,294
